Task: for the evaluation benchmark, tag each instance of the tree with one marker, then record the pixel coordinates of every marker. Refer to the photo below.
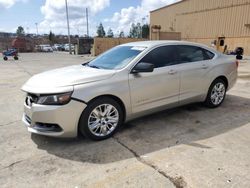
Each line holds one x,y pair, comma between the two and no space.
51,36
100,31
122,35
20,31
138,30
145,31
110,33
135,30
132,32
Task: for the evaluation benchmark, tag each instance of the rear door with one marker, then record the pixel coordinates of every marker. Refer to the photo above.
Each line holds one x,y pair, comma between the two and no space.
194,64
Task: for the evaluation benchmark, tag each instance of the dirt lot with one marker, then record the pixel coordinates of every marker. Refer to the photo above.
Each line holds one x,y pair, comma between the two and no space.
190,146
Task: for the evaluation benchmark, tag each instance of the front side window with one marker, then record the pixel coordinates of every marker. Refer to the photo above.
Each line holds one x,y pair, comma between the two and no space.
116,58
161,56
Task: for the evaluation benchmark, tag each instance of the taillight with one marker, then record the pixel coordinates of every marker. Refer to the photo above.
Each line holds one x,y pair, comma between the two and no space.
237,63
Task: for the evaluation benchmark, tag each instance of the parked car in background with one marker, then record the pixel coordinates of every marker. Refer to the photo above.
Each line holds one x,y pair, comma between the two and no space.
61,47
38,48
126,82
46,48
56,47
66,47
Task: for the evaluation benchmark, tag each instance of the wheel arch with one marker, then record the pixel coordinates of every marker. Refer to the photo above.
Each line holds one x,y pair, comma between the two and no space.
207,101
117,99
224,78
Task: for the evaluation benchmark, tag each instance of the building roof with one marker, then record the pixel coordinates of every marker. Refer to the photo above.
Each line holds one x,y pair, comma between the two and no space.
178,1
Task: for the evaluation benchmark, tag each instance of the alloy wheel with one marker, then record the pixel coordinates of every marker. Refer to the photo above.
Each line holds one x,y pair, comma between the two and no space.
218,93
103,120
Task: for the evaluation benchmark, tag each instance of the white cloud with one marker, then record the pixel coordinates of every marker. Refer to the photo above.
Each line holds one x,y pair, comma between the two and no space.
154,4
55,16
123,19
9,3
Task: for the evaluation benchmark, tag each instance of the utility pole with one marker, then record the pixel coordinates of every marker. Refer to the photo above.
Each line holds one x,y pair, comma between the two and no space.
67,16
27,28
36,29
87,19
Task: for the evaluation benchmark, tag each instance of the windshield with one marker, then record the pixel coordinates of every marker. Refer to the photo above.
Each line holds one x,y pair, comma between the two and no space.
116,58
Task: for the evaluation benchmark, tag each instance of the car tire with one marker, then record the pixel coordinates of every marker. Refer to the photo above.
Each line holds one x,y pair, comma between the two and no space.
104,125
15,58
5,58
216,93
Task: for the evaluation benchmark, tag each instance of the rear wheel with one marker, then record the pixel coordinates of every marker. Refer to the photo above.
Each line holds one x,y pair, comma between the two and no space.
101,119
216,94
15,57
5,58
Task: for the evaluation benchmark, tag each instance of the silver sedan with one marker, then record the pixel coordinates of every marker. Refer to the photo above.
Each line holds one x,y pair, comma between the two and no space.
124,83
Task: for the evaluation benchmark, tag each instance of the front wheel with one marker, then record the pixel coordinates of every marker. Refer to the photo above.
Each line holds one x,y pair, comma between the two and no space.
5,58
101,119
216,93
16,57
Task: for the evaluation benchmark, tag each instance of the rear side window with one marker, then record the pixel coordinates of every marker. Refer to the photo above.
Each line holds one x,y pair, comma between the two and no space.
208,54
162,56
188,54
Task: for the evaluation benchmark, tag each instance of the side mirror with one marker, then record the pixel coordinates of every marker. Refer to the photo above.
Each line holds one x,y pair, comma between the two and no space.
143,67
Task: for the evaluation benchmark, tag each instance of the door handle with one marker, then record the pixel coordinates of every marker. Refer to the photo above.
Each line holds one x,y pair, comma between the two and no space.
204,66
171,72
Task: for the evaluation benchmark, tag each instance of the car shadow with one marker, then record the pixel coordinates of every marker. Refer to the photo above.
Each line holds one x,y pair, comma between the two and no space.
183,125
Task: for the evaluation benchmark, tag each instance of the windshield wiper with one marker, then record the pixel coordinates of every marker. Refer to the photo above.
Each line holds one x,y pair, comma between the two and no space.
92,66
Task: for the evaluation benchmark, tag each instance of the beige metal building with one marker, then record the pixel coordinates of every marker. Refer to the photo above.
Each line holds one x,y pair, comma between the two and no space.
224,24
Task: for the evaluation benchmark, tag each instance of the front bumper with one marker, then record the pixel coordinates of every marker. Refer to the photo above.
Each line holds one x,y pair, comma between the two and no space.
56,121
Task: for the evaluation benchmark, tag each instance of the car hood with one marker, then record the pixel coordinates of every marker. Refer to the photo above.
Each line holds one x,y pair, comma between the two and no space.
65,78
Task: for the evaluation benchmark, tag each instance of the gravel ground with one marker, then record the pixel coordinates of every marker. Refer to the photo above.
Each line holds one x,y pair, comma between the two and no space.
189,146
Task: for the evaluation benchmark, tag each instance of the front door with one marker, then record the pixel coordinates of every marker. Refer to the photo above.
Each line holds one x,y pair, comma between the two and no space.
158,88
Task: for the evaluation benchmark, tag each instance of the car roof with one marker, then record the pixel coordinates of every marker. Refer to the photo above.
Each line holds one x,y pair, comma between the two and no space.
155,43
152,43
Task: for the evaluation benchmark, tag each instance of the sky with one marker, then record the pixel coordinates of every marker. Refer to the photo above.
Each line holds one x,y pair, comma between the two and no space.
51,15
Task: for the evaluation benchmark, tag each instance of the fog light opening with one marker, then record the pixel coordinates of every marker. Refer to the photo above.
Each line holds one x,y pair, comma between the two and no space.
47,127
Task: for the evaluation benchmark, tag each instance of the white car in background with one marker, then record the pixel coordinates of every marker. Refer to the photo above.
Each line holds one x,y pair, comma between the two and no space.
46,48
56,47
66,47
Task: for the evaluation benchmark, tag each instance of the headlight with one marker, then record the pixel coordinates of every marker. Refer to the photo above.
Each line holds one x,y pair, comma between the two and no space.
57,99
